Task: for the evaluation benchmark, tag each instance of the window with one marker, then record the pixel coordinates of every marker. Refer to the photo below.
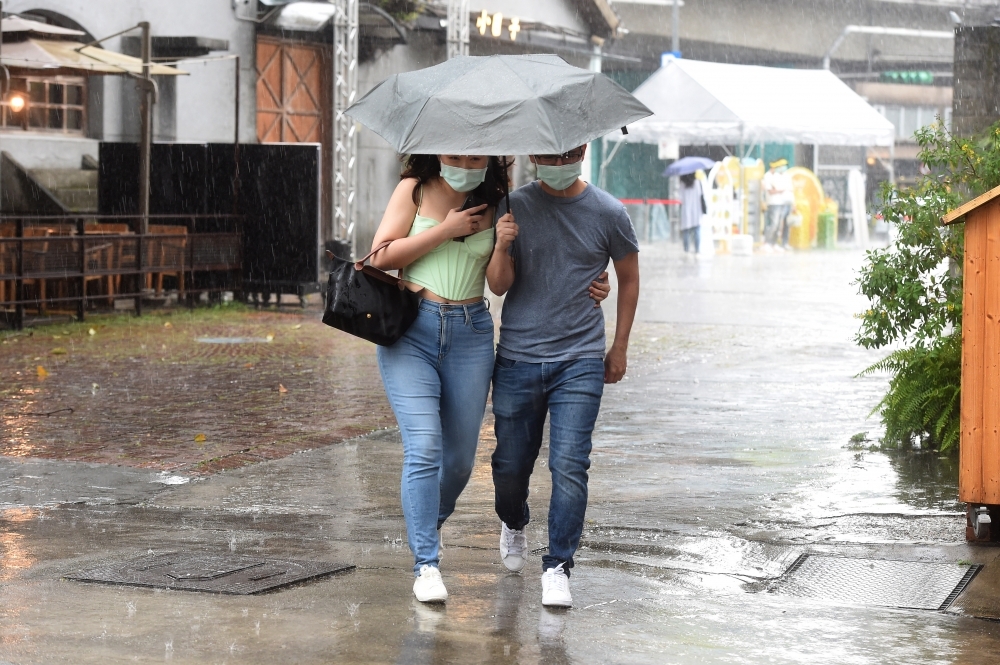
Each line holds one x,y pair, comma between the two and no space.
908,119
52,104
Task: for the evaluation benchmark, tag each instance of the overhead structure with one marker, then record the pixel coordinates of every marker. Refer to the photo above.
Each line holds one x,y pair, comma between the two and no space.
40,46
458,28
345,140
696,103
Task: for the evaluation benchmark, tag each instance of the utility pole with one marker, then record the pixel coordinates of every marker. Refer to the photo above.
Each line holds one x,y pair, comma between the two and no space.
4,84
675,30
458,28
146,129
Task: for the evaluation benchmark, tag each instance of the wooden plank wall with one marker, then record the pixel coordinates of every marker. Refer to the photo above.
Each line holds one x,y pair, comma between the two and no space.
979,478
991,360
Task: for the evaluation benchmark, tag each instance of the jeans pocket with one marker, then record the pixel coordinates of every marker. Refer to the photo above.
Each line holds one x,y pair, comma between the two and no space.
482,322
506,363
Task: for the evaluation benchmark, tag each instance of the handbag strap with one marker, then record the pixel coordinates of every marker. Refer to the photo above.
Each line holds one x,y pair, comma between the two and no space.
359,264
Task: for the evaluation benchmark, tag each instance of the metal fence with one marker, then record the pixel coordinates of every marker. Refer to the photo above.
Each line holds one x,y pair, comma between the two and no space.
79,262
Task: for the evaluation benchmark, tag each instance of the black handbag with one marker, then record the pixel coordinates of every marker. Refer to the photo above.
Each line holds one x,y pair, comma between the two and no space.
365,302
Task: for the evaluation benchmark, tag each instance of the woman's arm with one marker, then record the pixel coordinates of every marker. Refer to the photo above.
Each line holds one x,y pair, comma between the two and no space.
398,219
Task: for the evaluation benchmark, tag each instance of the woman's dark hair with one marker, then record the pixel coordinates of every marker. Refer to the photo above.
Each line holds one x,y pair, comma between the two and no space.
688,179
427,167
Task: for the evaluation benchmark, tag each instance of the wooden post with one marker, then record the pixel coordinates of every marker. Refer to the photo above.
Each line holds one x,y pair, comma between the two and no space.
970,487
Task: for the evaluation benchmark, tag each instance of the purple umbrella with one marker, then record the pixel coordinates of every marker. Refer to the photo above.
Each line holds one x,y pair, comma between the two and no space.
686,165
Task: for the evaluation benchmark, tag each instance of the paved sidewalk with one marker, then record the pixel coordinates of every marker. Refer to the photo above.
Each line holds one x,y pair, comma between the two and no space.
719,460
144,392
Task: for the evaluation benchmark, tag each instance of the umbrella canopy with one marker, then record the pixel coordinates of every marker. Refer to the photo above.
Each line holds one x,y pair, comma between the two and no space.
496,105
686,165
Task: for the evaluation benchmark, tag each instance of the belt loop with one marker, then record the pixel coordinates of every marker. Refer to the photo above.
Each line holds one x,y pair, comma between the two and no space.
468,317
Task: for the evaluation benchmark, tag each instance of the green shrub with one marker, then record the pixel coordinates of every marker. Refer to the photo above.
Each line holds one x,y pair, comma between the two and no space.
915,288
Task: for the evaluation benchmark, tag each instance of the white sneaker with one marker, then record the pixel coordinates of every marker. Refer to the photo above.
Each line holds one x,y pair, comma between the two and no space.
513,548
555,588
428,587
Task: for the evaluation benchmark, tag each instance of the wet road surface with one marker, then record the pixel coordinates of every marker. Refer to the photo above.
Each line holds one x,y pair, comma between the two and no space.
720,460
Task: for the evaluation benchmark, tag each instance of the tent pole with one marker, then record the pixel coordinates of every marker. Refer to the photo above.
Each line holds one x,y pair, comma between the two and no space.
146,133
892,162
602,178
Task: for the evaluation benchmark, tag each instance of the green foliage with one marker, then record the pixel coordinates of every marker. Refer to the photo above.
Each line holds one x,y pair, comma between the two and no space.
915,288
923,397
403,11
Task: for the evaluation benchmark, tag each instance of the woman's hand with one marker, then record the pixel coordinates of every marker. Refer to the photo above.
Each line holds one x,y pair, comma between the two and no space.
600,288
506,232
461,223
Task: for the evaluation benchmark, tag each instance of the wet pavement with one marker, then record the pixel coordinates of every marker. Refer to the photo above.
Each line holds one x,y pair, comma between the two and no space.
723,457
187,391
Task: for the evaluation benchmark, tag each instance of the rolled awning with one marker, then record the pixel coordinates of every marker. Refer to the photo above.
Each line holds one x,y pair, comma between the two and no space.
44,54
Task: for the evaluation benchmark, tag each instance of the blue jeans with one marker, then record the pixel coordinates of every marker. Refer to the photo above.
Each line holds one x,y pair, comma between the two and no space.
437,378
570,391
692,237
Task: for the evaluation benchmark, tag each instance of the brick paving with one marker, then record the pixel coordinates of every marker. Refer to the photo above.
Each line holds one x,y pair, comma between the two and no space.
143,392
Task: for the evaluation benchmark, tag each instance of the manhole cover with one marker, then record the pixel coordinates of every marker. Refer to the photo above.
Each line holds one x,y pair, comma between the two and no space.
905,584
238,575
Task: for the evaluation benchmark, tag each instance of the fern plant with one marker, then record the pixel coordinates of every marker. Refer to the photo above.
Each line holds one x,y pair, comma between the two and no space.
914,287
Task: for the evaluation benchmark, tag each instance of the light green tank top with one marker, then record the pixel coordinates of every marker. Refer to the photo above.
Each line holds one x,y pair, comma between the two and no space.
453,270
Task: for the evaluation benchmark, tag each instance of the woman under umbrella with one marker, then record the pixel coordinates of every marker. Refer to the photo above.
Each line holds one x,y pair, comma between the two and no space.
437,376
692,208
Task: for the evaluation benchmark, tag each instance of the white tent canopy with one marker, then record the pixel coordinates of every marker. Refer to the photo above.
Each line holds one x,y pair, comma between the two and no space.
697,102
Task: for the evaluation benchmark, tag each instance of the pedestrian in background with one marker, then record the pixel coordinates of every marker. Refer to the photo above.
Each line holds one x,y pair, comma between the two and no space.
692,208
779,194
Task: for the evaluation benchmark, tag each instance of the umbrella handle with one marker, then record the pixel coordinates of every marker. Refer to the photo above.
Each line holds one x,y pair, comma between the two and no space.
506,182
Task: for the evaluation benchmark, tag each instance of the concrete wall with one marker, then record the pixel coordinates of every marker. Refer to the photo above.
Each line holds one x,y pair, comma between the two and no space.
977,79
35,151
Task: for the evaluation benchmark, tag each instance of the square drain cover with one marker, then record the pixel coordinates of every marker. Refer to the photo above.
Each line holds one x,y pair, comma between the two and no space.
238,575
905,584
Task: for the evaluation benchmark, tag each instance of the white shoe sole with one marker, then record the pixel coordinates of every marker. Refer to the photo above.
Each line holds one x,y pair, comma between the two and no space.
513,563
558,603
431,598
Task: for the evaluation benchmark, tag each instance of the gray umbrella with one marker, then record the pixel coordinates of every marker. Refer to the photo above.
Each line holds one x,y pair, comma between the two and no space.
496,105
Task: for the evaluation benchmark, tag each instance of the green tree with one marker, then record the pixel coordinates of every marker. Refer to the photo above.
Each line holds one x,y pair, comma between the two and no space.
915,288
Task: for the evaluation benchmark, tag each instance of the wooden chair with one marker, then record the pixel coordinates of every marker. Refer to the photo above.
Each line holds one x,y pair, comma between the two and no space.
8,262
166,256
34,257
105,257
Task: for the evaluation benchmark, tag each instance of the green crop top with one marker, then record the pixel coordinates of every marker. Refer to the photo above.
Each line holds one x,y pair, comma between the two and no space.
453,270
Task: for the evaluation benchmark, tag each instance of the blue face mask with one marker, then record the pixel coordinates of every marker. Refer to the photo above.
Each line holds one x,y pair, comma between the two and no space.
462,180
559,177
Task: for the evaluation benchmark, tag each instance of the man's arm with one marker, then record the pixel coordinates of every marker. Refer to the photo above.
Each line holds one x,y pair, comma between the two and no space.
500,271
616,360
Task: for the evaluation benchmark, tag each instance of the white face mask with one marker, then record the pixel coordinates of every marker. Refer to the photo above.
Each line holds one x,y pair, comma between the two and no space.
462,180
559,177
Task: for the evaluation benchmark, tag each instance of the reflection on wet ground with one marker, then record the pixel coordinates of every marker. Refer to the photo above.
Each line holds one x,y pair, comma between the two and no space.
721,459
150,392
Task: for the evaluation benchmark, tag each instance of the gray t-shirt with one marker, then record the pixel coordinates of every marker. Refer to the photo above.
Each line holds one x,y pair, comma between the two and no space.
563,244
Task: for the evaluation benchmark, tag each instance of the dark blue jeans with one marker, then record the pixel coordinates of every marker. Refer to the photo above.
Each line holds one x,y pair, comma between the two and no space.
570,392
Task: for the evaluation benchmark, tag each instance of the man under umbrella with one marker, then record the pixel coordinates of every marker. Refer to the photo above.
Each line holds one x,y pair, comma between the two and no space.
551,356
